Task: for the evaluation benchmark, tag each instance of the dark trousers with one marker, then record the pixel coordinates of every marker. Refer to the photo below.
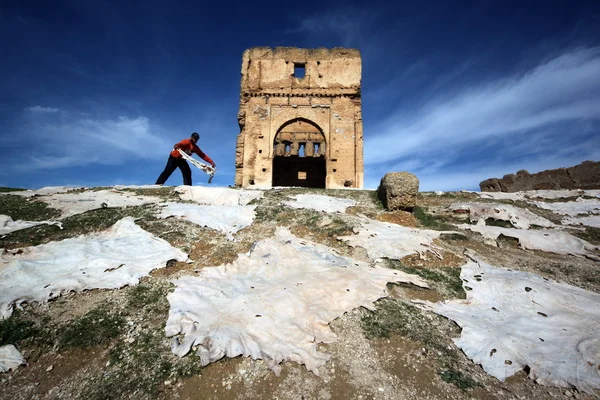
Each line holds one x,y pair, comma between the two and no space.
173,163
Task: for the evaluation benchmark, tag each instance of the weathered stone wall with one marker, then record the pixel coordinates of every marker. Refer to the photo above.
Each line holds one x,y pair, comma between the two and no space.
583,176
327,98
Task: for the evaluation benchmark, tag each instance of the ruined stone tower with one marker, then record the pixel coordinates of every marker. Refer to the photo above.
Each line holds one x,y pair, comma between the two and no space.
300,118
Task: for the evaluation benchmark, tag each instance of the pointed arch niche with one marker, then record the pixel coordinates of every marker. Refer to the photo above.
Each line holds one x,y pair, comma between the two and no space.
299,151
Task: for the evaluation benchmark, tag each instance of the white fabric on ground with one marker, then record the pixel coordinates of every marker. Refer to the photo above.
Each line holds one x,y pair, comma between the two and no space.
590,220
532,194
572,208
386,240
10,358
76,203
7,224
553,194
226,219
320,203
45,191
521,218
111,259
274,303
513,319
592,193
551,241
120,187
218,196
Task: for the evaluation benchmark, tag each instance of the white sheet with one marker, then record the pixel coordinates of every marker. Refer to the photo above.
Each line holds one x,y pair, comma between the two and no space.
111,259
274,304
543,239
320,203
531,194
572,208
10,358
521,218
76,203
386,240
590,220
7,224
226,219
45,191
218,196
513,319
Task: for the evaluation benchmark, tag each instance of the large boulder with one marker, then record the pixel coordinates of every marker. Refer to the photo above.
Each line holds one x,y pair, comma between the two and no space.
398,191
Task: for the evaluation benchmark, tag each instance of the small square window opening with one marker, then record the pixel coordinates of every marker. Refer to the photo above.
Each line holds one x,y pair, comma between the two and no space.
299,70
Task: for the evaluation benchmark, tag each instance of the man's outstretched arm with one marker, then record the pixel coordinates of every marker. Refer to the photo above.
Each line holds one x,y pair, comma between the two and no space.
206,158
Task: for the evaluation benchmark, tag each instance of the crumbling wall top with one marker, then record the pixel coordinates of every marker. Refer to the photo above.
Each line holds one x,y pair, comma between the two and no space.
300,54
293,69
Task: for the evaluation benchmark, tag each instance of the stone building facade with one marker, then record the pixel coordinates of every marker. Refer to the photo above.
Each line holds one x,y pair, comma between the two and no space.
300,118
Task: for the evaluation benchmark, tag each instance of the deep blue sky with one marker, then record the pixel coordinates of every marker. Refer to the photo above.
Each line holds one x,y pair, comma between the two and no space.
96,92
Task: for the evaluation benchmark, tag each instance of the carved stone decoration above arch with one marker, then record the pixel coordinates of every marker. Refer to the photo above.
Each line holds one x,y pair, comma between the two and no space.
299,137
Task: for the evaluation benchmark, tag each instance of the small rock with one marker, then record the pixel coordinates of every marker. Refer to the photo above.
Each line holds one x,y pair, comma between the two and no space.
50,368
568,393
490,242
381,389
167,383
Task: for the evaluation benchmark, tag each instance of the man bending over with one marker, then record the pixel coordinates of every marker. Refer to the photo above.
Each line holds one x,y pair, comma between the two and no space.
176,160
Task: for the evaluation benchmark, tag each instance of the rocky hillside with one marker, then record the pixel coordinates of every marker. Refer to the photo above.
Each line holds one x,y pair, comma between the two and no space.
105,337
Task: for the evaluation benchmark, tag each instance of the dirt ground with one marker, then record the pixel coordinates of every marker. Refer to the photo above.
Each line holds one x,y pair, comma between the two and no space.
108,344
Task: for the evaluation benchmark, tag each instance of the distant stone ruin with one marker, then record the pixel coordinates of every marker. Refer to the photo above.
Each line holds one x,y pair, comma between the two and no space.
583,176
300,118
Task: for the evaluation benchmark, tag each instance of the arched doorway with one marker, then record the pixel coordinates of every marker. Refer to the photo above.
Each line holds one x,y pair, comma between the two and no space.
299,155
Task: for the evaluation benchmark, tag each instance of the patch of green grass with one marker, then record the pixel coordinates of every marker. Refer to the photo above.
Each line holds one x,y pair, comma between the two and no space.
393,317
376,200
165,193
429,221
447,278
16,328
337,227
95,328
4,189
26,209
454,237
560,199
498,222
459,379
91,221
590,235
269,213
507,241
150,298
138,369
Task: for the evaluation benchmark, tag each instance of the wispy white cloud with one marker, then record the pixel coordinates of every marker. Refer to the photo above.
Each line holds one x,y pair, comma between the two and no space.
72,140
564,89
347,25
41,109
